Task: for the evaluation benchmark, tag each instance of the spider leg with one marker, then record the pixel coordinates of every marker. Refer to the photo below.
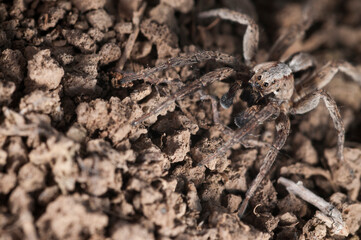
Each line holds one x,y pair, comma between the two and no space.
294,33
283,130
300,61
227,98
215,112
198,57
246,142
324,76
302,65
257,118
251,37
311,101
242,118
218,74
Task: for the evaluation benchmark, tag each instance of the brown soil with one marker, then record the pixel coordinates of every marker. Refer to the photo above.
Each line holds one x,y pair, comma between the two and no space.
73,167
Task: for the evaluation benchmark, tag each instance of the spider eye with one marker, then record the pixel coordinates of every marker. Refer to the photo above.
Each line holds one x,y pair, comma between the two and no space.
265,84
259,77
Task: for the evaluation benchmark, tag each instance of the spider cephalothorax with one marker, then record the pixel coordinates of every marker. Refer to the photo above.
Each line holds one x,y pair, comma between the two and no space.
273,77
270,92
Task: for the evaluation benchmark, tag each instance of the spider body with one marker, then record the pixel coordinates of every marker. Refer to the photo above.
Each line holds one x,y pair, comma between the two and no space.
272,90
273,77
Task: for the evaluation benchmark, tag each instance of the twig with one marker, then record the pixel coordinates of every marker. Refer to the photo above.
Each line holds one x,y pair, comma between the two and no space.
137,16
330,214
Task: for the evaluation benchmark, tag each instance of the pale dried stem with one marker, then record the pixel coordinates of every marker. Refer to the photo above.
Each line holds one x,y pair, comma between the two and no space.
338,226
137,17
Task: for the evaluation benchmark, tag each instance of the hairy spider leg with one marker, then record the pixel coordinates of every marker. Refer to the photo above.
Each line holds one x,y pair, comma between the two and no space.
324,77
246,142
250,38
311,101
271,109
198,57
283,130
205,80
293,33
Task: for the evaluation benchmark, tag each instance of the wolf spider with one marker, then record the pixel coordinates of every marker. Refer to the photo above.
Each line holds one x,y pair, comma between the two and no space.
271,90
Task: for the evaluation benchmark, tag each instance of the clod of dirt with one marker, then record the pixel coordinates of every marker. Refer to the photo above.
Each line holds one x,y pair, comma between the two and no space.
233,202
43,71
7,183
86,65
154,162
167,214
31,177
314,229
287,219
100,171
77,133
174,122
3,12
317,125
177,145
17,153
17,9
123,27
43,102
204,148
187,173
96,34
86,5
68,218
117,157
98,175
229,227
75,85
20,205
51,17
292,204
64,55
345,92
236,180
126,8
80,40
164,14
183,6
98,114
3,157
212,190
48,195
304,149
346,174
99,19
6,91
58,152
125,230
3,39
306,170
164,212
12,65
193,201
352,216
160,35
108,53
94,115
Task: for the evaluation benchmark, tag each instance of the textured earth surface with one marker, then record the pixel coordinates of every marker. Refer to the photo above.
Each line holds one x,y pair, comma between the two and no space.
72,166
